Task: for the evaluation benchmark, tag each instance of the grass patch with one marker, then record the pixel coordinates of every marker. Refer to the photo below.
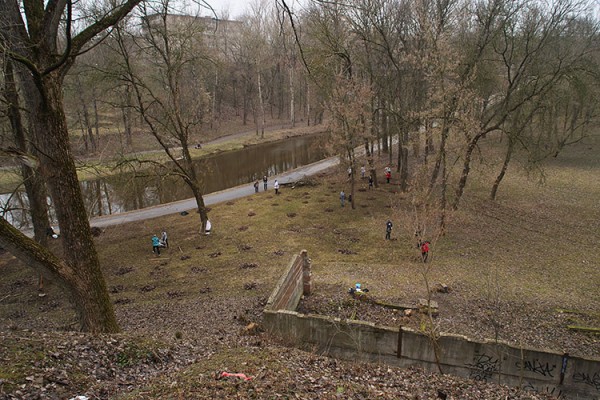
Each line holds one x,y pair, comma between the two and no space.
522,258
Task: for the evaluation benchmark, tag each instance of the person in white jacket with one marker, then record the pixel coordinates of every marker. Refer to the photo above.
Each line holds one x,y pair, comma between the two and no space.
276,186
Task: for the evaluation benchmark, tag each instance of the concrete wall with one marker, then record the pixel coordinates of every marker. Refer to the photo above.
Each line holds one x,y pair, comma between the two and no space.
536,370
531,369
289,289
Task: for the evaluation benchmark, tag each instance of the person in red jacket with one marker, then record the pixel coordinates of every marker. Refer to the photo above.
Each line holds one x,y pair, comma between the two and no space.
425,250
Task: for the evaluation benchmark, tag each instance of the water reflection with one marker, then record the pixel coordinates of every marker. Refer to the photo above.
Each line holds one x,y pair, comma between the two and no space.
126,192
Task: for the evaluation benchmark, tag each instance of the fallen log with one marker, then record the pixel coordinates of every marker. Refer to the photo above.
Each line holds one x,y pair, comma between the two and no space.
587,329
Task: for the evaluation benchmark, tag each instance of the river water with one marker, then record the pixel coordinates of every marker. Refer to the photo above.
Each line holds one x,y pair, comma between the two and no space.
126,192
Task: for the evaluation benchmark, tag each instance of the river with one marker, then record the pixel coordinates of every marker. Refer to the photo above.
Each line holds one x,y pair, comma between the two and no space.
130,191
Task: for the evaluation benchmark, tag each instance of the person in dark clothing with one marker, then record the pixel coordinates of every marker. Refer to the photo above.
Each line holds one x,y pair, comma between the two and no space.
265,183
256,187
388,230
370,182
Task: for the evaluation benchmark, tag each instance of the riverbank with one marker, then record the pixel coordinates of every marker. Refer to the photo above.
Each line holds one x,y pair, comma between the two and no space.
89,168
513,267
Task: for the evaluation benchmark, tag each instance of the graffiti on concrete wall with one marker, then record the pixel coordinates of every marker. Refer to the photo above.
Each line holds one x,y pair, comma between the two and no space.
537,367
554,391
588,379
483,367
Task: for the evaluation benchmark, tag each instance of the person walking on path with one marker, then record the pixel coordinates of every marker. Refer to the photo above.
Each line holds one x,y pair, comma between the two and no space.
156,245
164,239
388,230
265,183
425,250
362,172
256,187
370,182
342,197
276,186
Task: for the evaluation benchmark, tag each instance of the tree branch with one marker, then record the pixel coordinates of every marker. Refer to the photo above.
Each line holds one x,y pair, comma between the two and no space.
31,253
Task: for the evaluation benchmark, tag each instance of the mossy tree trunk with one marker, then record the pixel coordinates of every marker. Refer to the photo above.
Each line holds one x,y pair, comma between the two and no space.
85,288
38,36
84,279
34,185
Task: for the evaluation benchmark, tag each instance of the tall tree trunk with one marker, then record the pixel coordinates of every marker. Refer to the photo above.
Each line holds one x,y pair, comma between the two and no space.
202,211
507,158
443,199
35,47
214,99
428,140
466,169
261,105
86,116
280,75
441,155
353,166
246,102
235,98
98,197
390,146
107,195
127,117
96,119
383,126
34,184
307,104
86,283
403,158
371,162
84,135
292,97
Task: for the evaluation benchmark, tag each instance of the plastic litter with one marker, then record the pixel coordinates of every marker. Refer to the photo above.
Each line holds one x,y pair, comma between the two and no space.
223,374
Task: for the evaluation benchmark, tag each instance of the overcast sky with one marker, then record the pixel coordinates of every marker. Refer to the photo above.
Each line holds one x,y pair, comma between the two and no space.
238,7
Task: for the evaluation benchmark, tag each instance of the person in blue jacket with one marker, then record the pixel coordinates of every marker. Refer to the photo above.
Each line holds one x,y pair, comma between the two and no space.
156,245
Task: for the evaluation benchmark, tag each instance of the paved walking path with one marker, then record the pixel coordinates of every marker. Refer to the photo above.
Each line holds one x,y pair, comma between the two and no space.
212,198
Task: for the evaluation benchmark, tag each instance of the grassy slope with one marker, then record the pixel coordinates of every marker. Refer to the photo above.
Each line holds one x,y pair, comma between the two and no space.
530,242
537,245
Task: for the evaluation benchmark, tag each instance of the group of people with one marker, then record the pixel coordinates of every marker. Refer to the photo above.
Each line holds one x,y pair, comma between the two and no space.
265,184
423,245
157,242
343,198
163,241
363,175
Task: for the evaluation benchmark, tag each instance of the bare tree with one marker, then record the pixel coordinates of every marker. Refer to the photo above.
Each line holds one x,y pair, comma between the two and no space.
41,38
527,47
349,124
162,67
32,180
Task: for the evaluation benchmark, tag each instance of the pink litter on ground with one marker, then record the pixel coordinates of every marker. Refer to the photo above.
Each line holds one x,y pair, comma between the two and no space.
227,375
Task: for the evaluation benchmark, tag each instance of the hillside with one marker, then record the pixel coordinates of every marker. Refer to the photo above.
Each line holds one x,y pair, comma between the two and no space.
524,267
